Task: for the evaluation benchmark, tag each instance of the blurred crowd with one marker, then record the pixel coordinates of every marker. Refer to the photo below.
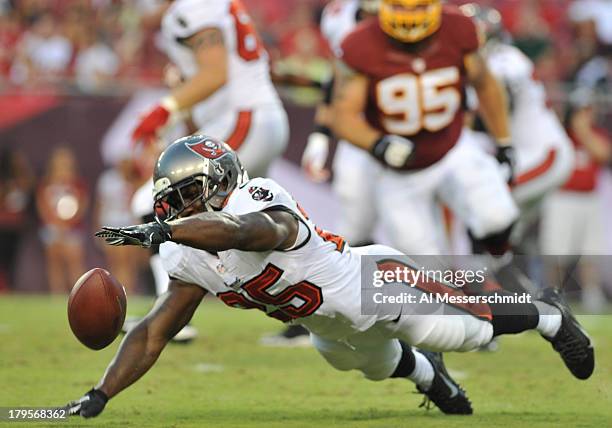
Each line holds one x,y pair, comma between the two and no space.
109,47
92,44
89,45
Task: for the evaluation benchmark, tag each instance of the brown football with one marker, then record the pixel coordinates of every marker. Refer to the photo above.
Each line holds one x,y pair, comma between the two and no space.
96,308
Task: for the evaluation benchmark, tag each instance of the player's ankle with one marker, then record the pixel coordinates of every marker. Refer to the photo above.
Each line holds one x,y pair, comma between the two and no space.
549,320
423,373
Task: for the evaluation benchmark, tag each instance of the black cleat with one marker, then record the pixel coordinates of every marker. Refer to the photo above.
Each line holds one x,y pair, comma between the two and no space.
444,391
571,341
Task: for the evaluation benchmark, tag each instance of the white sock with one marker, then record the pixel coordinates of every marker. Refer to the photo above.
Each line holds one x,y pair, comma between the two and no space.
550,319
423,372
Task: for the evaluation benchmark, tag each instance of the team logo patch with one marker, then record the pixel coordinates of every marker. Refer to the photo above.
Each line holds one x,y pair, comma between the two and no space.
207,149
260,194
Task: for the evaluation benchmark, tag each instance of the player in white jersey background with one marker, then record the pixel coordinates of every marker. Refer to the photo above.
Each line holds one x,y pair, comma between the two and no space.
544,153
264,253
226,84
224,90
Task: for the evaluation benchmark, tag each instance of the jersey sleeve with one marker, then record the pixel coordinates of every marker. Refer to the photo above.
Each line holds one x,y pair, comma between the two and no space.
466,32
256,195
188,17
356,48
189,265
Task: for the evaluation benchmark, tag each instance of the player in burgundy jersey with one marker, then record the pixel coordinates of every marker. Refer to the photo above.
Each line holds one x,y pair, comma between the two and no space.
399,95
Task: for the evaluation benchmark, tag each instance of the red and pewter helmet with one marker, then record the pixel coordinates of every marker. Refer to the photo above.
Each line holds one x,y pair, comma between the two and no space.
192,169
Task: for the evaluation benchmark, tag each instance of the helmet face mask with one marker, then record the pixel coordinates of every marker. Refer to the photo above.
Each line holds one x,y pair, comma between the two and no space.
410,21
187,197
193,175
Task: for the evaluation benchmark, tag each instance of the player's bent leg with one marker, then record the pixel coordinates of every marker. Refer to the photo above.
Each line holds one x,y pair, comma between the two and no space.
476,191
409,211
442,333
371,353
379,358
355,182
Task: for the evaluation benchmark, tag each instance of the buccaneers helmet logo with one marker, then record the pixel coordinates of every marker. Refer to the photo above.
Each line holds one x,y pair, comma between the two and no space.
208,149
260,194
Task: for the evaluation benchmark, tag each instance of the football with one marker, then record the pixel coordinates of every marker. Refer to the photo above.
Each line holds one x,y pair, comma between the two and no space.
96,308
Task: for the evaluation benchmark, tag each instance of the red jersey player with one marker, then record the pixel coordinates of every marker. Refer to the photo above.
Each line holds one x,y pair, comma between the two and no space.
399,95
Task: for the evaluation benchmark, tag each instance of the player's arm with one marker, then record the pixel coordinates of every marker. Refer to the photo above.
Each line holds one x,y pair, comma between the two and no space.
492,98
348,107
493,108
142,346
210,52
258,231
349,123
273,229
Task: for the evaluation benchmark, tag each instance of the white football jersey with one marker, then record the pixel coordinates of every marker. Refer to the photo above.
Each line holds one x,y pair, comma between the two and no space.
248,82
338,19
192,266
316,282
531,120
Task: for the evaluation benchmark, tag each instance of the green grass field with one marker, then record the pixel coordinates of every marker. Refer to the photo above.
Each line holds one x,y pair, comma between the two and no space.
225,379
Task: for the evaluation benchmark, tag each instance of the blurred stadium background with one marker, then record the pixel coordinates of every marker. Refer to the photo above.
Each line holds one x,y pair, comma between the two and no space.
75,75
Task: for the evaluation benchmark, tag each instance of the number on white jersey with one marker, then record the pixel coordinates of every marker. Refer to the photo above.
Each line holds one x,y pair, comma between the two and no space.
249,46
413,102
257,288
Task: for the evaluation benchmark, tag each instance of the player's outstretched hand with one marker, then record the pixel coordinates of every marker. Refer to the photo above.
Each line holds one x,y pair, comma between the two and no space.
143,235
90,405
393,150
507,159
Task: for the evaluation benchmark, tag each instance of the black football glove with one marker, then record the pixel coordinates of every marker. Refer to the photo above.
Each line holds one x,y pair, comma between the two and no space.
144,235
506,157
393,150
89,406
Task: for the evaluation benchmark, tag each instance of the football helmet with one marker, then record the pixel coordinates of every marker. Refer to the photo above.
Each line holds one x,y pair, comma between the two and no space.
195,169
410,21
